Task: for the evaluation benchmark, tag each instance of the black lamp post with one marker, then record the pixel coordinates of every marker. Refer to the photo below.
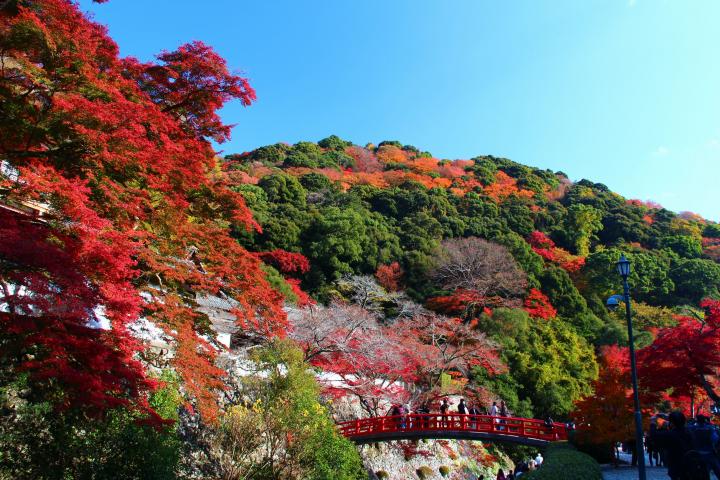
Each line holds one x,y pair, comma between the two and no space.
623,267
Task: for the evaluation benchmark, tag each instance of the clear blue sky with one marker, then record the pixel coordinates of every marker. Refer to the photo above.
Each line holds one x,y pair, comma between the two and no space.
623,92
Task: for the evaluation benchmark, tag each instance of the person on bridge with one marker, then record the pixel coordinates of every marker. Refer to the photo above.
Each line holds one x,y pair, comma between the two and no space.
443,410
395,413
494,413
403,416
503,412
549,425
462,410
473,411
423,410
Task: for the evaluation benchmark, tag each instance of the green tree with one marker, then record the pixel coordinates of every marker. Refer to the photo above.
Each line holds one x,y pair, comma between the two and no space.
315,182
346,240
649,277
583,222
281,430
686,246
530,261
561,291
420,232
283,188
711,230
39,442
333,142
271,154
518,216
695,279
625,224
552,364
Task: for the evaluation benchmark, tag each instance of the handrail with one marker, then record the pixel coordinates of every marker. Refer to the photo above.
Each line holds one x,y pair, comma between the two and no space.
432,423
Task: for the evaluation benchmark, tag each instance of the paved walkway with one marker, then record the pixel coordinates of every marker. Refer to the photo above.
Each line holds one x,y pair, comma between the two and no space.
625,472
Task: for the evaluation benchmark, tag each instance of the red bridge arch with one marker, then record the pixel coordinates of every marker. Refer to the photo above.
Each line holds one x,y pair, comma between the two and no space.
525,431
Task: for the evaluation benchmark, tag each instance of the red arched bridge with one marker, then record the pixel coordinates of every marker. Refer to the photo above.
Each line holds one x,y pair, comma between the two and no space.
525,431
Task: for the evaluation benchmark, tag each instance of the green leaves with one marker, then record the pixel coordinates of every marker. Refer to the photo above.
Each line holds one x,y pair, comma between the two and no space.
282,431
563,461
650,275
695,279
583,222
548,362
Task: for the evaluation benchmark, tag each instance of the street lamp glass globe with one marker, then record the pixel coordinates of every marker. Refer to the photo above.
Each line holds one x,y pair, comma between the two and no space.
623,266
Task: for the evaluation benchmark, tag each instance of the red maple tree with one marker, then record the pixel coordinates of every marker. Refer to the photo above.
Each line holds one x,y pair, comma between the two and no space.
118,154
359,357
538,305
389,276
286,262
685,359
375,363
607,416
546,248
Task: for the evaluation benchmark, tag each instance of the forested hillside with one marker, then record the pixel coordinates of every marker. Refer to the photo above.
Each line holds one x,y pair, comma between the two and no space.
168,313
524,255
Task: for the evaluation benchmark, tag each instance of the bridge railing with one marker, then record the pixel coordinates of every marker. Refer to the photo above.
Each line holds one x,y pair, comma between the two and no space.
435,422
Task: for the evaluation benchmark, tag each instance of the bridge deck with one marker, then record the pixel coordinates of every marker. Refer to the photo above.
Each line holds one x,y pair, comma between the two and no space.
524,431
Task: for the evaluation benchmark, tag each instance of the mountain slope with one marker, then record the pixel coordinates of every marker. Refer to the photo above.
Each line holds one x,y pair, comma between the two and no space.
391,211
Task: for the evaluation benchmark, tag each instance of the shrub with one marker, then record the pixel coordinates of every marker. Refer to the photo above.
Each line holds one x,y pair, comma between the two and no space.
37,441
382,474
424,472
563,461
602,452
444,470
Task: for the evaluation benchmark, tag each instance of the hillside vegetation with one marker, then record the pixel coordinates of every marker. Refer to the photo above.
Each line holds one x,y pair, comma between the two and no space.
167,313
524,255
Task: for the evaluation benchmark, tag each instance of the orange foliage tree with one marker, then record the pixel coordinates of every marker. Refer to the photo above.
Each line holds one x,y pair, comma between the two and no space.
389,276
607,416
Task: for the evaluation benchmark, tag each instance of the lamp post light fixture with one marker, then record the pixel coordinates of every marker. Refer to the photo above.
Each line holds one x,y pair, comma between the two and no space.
623,268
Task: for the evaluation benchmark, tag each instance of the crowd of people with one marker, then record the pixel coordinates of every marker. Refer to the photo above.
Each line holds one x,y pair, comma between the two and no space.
520,469
689,449
446,418
463,408
461,417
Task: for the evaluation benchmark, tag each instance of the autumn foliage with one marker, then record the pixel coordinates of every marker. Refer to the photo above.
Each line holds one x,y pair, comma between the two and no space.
118,150
389,276
116,211
546,248
607,415
538,305
375,363
684,358
286,262
463,303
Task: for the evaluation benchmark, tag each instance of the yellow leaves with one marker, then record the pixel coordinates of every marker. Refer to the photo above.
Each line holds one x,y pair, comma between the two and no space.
682,226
